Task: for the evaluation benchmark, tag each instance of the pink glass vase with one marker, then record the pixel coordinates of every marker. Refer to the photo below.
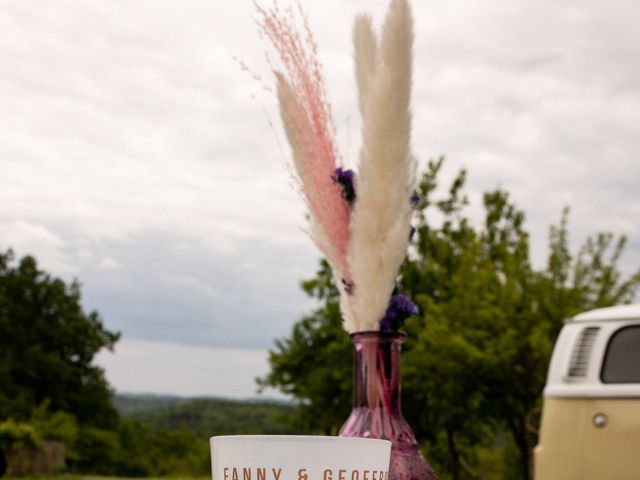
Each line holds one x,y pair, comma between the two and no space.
376,403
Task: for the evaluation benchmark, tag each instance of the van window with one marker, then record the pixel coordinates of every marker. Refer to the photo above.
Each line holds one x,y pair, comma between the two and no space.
622,359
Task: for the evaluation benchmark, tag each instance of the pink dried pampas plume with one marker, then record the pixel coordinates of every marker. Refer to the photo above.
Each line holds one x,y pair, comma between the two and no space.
310,130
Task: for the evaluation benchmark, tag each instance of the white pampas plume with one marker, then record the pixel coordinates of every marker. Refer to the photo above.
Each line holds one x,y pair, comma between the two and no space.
365,56
380,219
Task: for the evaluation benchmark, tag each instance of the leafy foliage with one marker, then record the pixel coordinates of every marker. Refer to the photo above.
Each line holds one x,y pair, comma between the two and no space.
14,433
60,426
476,358
169,435
134,450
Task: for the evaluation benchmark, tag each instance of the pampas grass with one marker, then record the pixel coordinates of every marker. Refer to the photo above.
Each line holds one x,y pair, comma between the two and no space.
381,216
298,130
365,57
309,127
365,242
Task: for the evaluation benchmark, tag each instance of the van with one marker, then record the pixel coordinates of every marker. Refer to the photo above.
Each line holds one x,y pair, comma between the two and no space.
590,426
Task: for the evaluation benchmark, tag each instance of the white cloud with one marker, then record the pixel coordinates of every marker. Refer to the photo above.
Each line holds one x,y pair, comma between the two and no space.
33,238
108,263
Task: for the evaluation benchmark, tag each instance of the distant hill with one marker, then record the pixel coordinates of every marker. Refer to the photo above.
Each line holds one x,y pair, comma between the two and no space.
207,416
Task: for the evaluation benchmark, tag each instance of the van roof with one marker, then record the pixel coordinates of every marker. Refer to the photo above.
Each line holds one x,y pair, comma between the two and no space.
619,312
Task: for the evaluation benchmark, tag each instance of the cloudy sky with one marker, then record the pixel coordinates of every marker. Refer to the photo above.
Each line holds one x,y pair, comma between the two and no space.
137,156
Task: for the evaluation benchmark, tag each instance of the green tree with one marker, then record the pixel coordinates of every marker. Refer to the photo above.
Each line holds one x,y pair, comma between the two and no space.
47,346
476,357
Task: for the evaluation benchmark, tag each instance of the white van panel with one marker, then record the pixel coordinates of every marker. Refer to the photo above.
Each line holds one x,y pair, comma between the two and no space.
619,312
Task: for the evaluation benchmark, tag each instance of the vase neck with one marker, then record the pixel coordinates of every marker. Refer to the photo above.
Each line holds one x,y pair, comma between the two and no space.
377,370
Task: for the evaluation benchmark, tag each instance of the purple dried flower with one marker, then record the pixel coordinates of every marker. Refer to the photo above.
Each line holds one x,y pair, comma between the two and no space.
346,178
412,232
348,285
415,199
400,308
344,173
386,325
